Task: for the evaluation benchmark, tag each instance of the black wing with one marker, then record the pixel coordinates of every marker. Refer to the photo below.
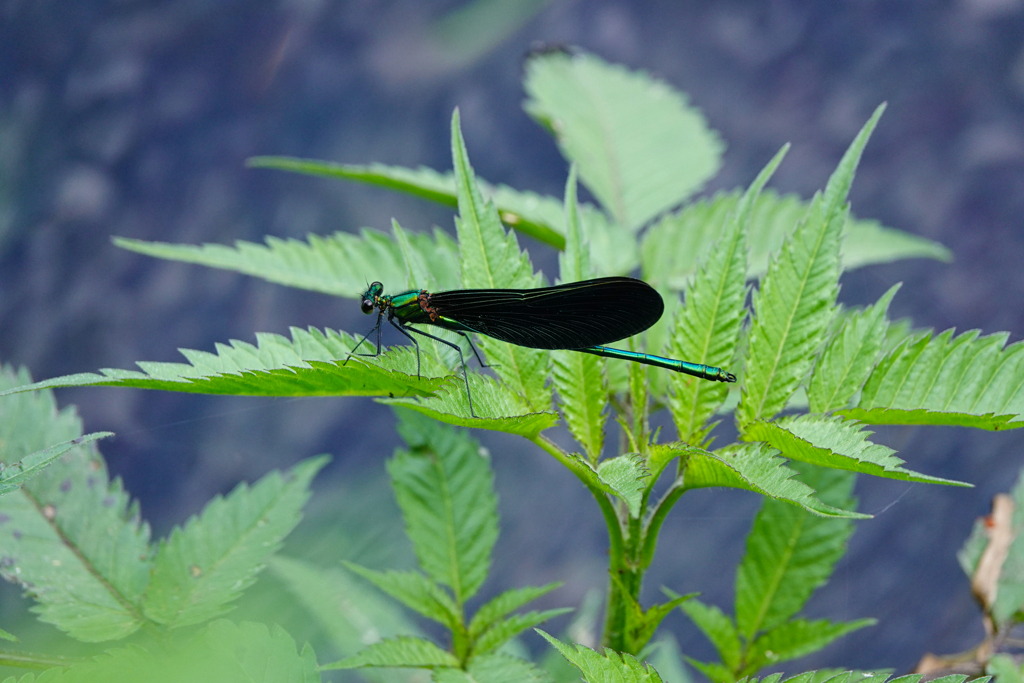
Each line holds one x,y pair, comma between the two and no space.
570,316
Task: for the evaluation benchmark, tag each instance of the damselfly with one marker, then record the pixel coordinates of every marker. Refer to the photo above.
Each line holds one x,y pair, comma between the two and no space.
578,316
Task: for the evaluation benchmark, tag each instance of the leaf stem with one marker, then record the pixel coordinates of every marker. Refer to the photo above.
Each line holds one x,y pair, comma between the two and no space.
654,522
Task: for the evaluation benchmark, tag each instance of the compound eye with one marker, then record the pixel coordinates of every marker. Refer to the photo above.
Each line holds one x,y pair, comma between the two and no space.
367,306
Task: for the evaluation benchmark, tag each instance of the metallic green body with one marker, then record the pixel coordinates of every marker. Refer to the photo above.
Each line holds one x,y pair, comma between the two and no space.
683,366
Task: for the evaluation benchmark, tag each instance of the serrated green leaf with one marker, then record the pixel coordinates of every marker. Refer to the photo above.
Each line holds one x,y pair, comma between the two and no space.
671,250
222,652
849,356
909,678
671,247
841,676
8,636
504,604
308,365
493,668
445,488
923,416
968,380
791,553
868,242
207,564
604,668
754,467
834,441
350,615
659,456
613,248
574,261
873,676
582,386
640,147
491,259
718,628
497,408
707,328
579,378
415,591
13,475
340,264
629,474
505,630
795,303
256,653
531,214
626,476
795,639
403,651
71,537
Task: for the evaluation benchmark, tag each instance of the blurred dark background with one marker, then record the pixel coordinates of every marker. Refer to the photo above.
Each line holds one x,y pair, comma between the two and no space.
134,118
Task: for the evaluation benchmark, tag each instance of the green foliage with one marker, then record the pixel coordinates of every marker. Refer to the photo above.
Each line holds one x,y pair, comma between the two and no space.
641,151
13,475
969,381
642,623
444,487
755,467
497,407
833,441
207,563
708,326
493,668
416,591
722,633
849,356
790,553
637,169
795,303
608,667
1005,669
77,544
334,264
490,258
221,651
530,213
579,378
305,366
348,613
402,651
625,477
71,537
671,247
501,605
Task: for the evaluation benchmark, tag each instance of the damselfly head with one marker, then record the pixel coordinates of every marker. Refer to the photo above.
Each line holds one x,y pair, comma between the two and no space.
370,297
